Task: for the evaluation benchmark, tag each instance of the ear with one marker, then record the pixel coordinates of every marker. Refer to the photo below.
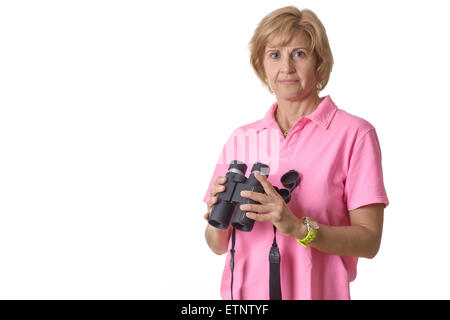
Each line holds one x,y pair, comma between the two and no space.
319,84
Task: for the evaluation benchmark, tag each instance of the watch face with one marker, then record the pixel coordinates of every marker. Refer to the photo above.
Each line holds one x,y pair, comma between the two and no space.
310,223
308,226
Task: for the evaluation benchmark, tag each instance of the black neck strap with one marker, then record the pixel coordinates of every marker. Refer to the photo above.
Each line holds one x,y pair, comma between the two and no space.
233,242
274,278
274,260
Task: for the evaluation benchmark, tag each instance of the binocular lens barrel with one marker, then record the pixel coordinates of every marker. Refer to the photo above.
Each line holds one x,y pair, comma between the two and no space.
241,222
223,210
238,167
228,203
261,168
221,214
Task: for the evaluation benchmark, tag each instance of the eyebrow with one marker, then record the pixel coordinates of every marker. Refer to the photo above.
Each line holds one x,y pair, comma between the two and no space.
271,49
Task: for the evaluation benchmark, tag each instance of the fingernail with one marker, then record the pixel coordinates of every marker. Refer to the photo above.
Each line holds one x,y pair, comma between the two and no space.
244,193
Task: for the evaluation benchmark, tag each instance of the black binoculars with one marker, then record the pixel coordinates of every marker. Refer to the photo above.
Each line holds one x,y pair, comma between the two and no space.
229,201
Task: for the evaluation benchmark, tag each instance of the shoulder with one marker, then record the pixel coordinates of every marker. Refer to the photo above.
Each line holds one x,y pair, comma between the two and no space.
239,134
346,119
258,124
267,120
352,125
248,128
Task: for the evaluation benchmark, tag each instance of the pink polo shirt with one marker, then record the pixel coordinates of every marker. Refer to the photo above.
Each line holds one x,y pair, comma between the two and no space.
338,157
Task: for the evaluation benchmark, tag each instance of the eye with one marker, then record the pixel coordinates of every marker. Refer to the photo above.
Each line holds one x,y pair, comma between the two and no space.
274,54
300,54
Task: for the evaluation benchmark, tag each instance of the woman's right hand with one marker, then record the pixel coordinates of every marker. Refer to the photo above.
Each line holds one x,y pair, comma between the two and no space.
217,239
216,188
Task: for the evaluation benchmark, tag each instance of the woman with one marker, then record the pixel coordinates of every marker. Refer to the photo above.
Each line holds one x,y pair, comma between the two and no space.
341,194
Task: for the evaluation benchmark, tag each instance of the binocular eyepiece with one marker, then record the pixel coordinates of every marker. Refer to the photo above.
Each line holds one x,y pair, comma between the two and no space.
229,201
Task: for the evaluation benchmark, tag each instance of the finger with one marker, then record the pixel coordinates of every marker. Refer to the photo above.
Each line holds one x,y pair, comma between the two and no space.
254,208
220,180
268,188
210,203
263,217
218,187
257,196
206,216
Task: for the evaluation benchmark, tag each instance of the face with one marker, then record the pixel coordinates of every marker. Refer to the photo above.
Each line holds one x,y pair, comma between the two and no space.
291,70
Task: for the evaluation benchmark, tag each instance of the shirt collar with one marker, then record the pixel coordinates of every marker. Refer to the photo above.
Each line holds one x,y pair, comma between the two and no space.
322,116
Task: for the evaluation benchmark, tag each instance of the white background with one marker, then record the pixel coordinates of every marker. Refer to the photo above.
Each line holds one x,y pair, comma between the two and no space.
113,114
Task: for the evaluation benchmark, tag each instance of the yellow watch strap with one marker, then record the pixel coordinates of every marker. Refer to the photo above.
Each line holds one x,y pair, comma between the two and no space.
309,237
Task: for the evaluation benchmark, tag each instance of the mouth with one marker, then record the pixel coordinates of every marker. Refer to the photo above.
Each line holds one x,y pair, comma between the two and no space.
288,81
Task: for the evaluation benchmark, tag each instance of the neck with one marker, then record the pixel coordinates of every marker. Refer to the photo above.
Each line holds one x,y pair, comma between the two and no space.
289,112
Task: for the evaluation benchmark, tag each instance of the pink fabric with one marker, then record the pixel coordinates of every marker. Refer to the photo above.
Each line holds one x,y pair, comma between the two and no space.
338,157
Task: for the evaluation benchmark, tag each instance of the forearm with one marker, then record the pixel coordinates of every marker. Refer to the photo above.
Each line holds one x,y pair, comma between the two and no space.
353,241
217,239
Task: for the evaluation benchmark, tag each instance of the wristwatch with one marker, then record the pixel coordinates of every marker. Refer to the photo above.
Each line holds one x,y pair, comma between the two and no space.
311,227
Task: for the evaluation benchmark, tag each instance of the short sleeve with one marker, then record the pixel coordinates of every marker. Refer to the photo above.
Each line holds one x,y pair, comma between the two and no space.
364,184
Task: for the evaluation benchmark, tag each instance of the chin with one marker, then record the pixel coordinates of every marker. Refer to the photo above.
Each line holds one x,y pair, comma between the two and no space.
289,94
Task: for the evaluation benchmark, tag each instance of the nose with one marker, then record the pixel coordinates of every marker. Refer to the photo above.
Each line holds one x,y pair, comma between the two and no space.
287,65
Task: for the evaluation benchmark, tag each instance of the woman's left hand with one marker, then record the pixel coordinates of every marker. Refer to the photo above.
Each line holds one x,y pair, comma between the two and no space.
272,209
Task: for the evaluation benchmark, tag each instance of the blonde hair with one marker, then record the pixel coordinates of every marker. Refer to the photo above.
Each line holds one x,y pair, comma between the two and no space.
284,24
